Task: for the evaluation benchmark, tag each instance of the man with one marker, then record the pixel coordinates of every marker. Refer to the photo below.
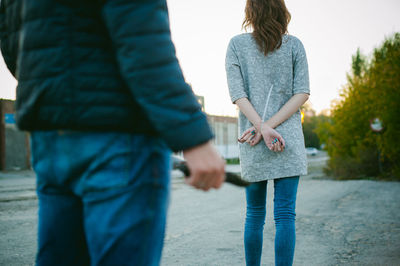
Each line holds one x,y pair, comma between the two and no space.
102,93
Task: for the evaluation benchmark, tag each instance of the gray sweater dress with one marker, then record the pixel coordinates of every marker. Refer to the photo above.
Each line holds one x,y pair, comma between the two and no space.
271,79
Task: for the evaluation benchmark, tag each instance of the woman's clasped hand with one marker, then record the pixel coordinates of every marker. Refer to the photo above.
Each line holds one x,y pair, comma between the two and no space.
272,139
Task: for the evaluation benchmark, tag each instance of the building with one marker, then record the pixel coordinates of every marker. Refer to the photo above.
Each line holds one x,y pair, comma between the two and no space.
225,129
14,144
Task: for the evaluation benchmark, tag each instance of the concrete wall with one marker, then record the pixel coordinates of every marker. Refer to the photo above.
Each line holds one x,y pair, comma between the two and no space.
225,129
17,149
14,144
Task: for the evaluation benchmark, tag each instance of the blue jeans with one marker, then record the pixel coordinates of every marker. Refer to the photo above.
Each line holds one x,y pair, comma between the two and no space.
285,190
102,197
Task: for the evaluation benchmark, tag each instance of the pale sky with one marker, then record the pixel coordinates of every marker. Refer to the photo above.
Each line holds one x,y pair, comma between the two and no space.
331,31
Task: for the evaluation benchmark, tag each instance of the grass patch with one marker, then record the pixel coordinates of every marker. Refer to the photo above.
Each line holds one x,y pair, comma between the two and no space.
232,161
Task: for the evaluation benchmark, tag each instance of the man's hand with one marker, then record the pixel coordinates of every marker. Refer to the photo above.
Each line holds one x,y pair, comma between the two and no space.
207,168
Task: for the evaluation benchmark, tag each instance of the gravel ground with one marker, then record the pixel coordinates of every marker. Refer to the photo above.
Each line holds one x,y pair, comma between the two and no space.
338,222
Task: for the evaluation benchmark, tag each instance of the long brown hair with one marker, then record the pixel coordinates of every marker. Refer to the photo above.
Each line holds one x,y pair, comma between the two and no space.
269,20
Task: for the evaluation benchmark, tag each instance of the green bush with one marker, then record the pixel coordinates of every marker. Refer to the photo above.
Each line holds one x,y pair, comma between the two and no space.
310,130
372,90
232,161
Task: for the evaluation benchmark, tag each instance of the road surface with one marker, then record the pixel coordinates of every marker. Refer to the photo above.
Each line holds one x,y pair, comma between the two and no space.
338,222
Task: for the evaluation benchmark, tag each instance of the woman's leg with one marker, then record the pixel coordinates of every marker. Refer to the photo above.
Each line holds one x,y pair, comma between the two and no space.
285,190
255,219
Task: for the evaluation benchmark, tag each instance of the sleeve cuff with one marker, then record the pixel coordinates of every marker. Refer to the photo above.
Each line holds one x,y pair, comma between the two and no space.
238,96
188,135
303,90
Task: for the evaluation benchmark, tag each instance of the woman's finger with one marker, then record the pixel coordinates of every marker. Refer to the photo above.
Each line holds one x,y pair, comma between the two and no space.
246,137
281,148
247,131
275,147
282,141
278,146
249,138
256,139
270,146
242,138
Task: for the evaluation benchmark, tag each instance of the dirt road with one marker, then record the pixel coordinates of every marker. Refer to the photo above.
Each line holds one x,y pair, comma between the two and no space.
338,223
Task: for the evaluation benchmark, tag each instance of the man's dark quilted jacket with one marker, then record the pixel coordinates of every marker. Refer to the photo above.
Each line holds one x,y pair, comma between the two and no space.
99,65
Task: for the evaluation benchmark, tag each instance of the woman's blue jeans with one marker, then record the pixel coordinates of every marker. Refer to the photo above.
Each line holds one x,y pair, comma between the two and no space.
102,197
285,190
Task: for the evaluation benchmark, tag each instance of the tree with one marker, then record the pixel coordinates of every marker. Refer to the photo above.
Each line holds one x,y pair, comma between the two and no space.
372,90
310,129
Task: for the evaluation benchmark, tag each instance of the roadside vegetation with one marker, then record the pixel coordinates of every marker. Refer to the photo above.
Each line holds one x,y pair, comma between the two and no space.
372,91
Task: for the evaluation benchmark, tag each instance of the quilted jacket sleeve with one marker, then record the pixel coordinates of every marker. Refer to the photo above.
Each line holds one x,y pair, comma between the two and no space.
9,32
141,37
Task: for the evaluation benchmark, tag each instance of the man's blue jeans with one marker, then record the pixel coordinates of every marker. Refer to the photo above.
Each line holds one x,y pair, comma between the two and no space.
102,197
285,190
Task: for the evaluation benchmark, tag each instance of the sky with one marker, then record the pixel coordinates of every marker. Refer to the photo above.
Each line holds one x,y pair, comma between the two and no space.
331,31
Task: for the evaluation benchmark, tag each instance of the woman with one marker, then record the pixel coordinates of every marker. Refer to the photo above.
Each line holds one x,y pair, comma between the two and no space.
267,75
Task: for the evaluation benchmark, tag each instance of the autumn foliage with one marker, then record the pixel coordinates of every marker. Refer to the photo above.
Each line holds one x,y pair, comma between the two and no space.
372,91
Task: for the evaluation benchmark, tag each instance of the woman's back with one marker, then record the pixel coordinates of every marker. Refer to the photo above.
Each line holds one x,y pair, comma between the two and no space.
251,74
268,80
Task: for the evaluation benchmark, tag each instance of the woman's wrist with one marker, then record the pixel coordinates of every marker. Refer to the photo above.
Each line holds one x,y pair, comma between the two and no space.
257,125
264,125
268,124
260,124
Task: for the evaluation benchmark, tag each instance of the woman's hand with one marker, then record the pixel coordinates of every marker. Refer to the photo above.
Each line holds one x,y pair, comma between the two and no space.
272,138
256,139
247,135
251,136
